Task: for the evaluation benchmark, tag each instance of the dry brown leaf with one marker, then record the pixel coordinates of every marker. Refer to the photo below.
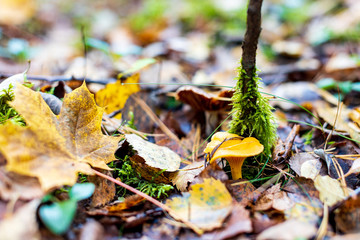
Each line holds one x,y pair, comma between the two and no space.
273,198
206,205
298,159
13,186
104,190
22,224
347,216
186,175
55,148
129,202
238,222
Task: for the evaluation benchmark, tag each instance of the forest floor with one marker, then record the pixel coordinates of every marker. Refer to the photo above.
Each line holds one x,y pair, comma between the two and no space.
106,108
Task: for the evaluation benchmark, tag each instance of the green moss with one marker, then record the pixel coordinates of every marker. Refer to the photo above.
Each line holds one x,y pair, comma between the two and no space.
252,115
128,175
7,113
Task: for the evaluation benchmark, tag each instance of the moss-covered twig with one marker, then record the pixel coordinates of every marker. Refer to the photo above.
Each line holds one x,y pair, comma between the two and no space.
252,113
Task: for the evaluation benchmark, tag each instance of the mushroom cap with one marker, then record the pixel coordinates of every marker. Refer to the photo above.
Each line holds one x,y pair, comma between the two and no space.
219,137
234,147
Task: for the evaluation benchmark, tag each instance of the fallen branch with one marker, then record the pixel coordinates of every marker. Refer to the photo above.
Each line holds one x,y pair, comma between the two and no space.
150,199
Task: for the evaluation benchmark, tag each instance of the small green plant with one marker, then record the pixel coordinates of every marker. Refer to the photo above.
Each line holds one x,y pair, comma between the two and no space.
128,175
6,111
57,215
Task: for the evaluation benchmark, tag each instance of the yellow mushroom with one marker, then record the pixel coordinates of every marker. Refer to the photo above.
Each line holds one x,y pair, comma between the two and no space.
234,148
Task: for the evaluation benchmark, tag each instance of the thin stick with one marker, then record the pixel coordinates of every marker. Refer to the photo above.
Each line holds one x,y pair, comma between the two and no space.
152,200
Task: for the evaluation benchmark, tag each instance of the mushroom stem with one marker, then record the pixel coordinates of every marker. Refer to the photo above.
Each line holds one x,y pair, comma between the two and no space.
236,165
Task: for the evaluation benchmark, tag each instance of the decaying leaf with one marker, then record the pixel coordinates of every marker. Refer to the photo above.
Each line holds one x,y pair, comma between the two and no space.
206,205
184,176
330,190
273,198
22,224
55,148
238,222
13,186
113,97
347,216
150,160
104,190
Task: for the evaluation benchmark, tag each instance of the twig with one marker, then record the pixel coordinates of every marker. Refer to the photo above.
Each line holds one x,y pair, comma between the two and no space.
61,78
152,200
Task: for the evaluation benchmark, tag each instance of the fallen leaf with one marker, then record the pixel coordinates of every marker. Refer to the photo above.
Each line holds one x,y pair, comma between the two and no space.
129,202
186,175
244,192
238,222
273,198
13,186
113,97
22,224
355,167
206,205
311,169
13,12
329,114
308,207
55,148
150,160
298,159
330,190
290,229
347,216
104,190
13,80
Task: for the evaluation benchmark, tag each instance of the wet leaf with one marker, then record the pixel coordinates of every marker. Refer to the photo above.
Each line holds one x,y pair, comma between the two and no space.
113,97
55,148
206,205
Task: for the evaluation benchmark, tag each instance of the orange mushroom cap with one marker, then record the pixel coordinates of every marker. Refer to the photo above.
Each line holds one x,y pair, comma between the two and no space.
234,149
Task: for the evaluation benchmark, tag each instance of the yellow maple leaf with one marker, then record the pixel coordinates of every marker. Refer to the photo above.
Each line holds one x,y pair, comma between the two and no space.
113,97
207,205
55,148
